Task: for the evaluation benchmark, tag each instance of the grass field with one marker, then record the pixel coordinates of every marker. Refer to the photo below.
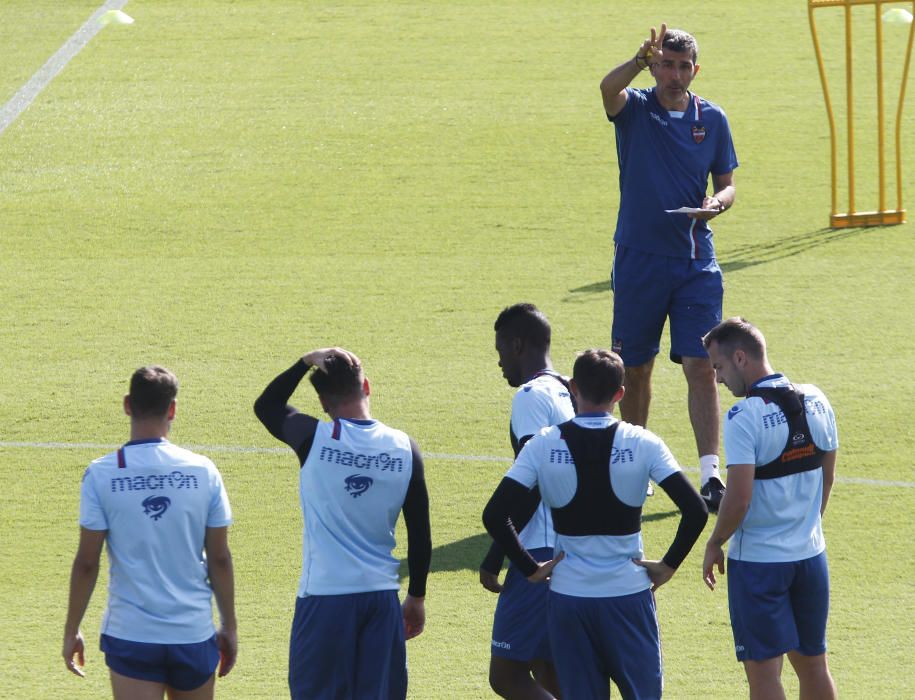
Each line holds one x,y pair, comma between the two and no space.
224,185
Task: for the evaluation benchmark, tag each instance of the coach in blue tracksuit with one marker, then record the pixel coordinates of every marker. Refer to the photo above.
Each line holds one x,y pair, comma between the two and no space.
669,141
593,472
780,441
356,476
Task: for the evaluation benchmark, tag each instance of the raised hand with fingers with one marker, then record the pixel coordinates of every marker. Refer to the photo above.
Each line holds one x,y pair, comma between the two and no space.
651,52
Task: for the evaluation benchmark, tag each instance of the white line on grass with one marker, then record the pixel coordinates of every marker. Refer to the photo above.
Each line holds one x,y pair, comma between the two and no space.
54,65
429,455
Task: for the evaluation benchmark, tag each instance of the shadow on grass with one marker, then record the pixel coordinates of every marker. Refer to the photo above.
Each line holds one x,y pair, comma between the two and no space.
762,253
467,554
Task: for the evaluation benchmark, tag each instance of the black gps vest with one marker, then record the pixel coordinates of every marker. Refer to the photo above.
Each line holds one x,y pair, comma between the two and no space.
800,454
594,509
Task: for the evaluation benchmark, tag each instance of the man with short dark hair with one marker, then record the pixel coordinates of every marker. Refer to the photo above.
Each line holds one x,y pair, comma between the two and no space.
669,142
164,514
356,476
592,472
521,666
780,441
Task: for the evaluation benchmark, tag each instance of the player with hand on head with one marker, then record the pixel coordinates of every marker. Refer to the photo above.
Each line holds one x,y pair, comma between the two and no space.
669,142
780,441
521,665
592,472
356,475
164,514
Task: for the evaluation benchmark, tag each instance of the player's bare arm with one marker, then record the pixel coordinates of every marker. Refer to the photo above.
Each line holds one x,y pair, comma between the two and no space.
731,512
722,199
829,476
613,86
83,576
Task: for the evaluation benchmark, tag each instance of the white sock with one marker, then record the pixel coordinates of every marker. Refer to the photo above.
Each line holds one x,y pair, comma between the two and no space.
708,467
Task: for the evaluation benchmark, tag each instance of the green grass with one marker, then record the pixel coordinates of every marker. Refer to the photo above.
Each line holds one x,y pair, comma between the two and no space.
225,185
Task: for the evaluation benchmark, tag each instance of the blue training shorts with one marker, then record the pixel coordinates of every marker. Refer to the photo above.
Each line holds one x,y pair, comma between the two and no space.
519,628
179,666
348,646
596,640
778,607
648,289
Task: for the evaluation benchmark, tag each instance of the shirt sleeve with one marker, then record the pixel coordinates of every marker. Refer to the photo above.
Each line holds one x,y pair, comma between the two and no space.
220,512
624,116
663,462
739,436
91,514
822,419
524,470
531,411
725,155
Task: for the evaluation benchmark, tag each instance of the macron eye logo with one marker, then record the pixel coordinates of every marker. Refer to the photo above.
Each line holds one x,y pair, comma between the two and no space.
357,484
733,412
155,506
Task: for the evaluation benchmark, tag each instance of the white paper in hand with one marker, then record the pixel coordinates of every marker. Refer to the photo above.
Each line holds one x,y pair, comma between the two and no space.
689,210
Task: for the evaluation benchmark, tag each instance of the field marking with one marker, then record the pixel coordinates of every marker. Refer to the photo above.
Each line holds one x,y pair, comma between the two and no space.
445,456
19,102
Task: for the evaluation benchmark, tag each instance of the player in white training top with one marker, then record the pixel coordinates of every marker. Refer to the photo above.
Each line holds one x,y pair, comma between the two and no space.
164,514
356,476
780,442
592,472
521,665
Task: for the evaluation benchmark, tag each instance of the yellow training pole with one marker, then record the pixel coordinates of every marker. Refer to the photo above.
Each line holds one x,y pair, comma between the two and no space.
883,216
881,163
829,112
850,107
905,79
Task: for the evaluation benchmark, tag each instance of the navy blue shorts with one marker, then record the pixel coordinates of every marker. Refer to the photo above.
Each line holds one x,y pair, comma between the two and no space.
649,289
348,646
778,607
519,628
179,666
596,640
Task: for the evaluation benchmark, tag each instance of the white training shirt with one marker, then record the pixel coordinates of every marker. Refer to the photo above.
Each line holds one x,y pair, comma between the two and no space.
352,487
156,509
596,566
541,402
783,522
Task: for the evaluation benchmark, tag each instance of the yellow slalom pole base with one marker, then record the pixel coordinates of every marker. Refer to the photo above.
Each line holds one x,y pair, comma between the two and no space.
867,218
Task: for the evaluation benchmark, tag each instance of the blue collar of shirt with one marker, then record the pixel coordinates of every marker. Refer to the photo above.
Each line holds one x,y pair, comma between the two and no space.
540,373
360,421
767,378
148,441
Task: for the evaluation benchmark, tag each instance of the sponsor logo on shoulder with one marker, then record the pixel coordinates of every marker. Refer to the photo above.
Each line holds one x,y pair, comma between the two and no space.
155,506
527,387
501,645
735,409
357,484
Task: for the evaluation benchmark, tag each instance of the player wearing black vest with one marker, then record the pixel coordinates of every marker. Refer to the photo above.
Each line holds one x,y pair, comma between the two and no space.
592,472
780,441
